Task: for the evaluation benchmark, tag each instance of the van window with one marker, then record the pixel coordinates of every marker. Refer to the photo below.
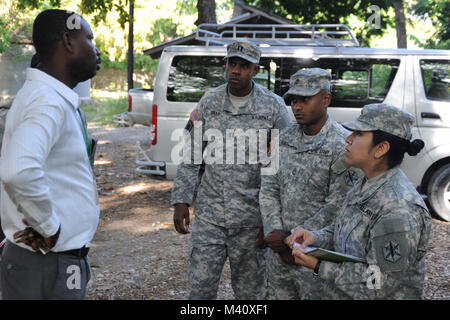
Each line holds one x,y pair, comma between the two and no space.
191,76
266,74
352,85
436,79
355,81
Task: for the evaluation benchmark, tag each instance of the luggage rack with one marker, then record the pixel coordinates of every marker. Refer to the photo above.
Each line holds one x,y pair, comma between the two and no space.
324,35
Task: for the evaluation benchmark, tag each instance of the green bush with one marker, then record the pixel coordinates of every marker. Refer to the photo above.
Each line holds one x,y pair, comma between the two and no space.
102,110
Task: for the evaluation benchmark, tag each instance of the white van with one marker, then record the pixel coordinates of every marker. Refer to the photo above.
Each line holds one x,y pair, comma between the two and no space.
415,80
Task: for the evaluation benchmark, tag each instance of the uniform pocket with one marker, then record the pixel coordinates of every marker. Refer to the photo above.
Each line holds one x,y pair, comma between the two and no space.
319,177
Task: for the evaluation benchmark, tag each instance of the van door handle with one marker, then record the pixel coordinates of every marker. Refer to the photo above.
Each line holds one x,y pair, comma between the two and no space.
430,115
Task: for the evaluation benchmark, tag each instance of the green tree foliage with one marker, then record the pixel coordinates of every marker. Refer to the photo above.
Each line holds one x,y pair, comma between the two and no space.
108,19
101,8
350,12
36,4
16,24
155,21
439,13
163,29
5,38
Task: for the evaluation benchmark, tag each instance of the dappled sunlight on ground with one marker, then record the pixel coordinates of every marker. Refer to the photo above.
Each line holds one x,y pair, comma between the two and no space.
139,187
136,225
103,162
136,188
103,142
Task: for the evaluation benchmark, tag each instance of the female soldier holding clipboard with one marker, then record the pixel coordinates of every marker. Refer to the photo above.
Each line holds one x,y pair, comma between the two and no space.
383,219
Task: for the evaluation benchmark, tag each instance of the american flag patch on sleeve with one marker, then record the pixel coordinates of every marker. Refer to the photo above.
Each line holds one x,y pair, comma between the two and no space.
194,116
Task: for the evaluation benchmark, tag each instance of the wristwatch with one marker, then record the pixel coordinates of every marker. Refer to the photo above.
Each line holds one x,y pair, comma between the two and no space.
316,269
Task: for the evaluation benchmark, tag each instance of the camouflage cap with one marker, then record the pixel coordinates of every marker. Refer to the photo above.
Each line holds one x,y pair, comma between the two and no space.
384,117
308,82
244,50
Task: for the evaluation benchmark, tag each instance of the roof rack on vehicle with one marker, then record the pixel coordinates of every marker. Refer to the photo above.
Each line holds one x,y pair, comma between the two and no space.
278,34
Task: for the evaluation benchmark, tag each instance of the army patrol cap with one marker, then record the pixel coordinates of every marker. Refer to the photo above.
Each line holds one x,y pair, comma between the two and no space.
384,117
244,50
308,82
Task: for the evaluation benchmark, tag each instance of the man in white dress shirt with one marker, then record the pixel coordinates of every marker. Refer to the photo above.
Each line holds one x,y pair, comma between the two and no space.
48,185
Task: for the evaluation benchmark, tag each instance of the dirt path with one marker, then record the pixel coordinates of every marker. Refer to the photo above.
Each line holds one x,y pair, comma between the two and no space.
136,252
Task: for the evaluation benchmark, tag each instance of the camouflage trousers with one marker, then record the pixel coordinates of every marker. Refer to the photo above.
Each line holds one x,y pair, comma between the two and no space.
290,282
209,247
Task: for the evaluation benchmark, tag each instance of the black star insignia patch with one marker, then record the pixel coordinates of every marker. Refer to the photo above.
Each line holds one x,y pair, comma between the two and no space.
350,177
391,251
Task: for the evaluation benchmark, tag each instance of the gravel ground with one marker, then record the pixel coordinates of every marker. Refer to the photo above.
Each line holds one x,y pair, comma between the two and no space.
136,252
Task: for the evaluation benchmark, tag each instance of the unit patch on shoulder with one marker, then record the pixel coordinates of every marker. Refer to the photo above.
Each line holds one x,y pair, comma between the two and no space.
391,251
350,177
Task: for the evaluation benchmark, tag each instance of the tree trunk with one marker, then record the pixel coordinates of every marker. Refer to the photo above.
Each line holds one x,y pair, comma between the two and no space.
130,58
238,9
206,12
400,24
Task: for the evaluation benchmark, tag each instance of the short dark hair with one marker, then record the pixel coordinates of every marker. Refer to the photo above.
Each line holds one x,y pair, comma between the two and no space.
48,29
398,147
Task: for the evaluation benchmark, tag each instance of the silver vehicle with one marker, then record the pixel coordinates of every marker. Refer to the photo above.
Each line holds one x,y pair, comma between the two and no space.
415,80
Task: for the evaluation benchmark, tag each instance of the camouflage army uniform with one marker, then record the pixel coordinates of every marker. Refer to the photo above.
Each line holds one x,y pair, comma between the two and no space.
385,221
227,216
307,191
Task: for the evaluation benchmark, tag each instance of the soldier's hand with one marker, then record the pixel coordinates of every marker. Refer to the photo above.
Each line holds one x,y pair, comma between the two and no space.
260,243
274,241
302,236
304,260
181,218
286,257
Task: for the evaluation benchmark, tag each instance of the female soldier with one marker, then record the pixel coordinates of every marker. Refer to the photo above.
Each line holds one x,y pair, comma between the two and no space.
383,219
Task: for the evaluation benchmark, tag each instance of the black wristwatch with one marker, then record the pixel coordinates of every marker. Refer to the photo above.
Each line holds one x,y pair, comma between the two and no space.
316,269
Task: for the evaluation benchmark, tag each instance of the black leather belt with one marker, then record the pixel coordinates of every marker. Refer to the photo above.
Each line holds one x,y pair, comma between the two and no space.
80,253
